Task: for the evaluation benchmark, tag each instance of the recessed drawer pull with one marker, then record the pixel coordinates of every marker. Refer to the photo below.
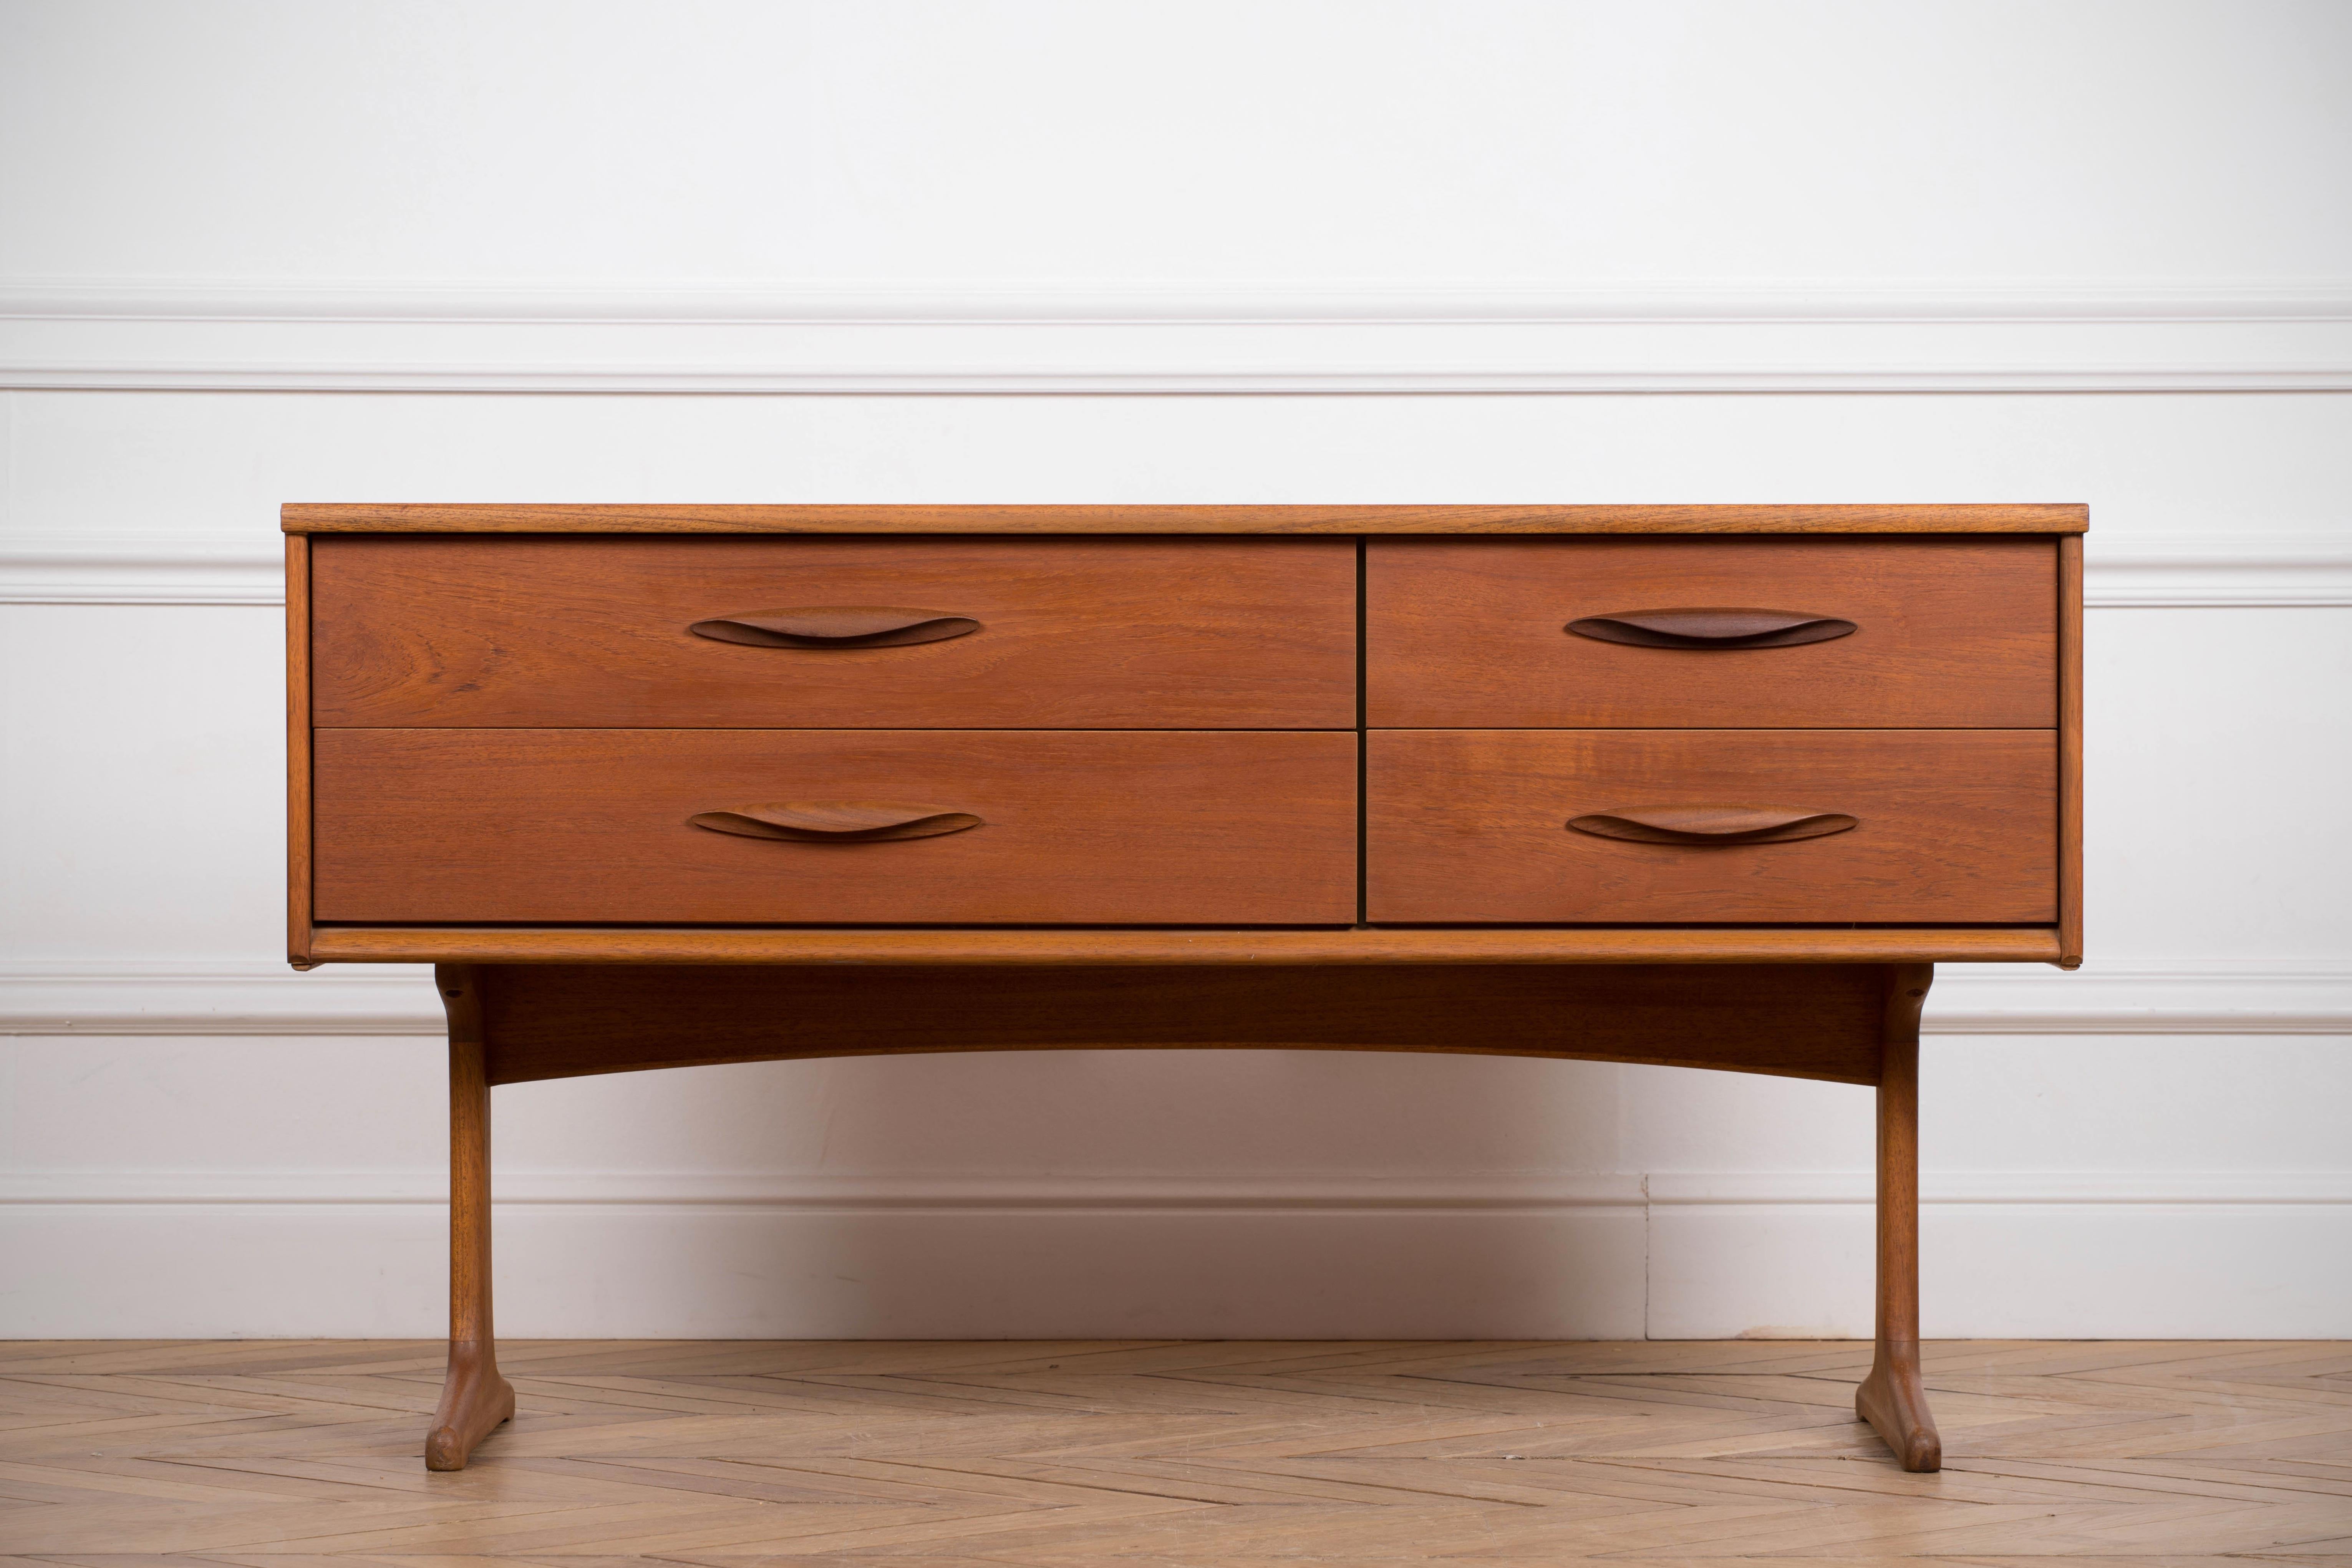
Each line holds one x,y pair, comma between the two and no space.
1712,825
835,626
1711,627
835,823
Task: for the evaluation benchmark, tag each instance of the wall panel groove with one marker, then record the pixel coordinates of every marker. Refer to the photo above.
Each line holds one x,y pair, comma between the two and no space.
1077,338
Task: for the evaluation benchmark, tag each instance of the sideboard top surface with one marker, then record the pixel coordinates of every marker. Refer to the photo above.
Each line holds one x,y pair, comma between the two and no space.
316,517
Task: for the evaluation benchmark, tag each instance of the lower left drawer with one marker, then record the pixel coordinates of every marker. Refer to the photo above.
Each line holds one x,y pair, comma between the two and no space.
835,827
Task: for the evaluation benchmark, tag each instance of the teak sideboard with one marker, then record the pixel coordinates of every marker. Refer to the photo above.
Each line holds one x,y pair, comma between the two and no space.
1708,786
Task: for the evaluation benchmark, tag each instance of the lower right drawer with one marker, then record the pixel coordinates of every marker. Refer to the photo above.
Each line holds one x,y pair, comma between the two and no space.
1691,826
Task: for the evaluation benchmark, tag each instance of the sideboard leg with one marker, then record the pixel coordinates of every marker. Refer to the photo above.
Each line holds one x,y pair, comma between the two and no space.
474,1397
1891,1398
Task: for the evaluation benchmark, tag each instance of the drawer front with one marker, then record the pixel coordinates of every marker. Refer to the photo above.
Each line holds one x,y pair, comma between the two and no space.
1947,632
592,825
1471,826
594,631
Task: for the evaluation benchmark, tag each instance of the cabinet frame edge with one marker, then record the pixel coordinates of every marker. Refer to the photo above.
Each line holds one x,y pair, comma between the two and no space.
1208,947
298,926
2070,751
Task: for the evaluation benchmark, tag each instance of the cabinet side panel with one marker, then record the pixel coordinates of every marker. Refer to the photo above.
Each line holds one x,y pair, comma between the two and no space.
2070,751
298,750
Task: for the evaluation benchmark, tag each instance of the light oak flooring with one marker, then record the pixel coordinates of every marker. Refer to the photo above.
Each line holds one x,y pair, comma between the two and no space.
294,1455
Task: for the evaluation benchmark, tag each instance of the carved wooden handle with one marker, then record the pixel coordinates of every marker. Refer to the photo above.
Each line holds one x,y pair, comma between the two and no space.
1712,825
1711,627
835,823
837,626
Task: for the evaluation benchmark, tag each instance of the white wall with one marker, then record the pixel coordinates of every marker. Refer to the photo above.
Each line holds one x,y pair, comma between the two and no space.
1706,251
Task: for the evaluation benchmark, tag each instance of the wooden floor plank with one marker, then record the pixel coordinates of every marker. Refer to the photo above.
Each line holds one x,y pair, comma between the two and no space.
1165,1454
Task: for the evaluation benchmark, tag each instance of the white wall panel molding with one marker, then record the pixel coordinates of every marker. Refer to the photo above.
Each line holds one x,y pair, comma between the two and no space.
127,998
1065,300
2241,996
2247,997
2218,571
2190,571
136,568
1080,337
1999,1188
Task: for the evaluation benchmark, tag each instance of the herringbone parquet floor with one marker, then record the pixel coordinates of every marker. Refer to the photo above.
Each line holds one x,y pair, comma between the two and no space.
298,1455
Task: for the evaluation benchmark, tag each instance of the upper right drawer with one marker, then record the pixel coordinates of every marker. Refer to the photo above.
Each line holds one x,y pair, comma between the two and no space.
1859,632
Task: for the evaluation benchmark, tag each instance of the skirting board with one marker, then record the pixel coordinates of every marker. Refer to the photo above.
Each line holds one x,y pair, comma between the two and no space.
2217,571
2239,997
1761,1255
1074,336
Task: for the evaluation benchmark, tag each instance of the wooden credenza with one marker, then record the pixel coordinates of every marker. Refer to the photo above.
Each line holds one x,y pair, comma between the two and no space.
1703,786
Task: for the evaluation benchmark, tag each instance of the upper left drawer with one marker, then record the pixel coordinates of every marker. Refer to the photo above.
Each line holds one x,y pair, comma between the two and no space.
836,632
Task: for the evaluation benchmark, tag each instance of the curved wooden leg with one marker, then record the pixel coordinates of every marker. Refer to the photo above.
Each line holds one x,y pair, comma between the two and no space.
1891,1398
473,1398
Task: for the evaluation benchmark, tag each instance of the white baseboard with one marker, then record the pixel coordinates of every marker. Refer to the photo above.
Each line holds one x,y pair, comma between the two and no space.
1074,337
2235,997
2218,571
2029,1267
2190,1255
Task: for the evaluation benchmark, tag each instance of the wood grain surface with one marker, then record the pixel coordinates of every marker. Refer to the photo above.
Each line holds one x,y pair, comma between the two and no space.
297,751
1210,827
2070,753
368,517
1165,1454
1814,1020
1470,825
1073,634
1894,1397
1636,944
475,1398
1951,633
